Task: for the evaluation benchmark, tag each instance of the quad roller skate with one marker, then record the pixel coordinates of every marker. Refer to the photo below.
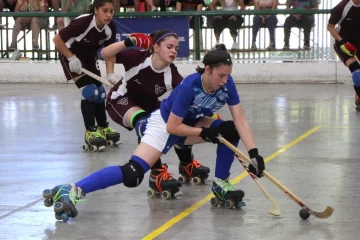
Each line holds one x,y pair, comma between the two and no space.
94,141
112,138
64,198
226,194
357,103
162,184
193,172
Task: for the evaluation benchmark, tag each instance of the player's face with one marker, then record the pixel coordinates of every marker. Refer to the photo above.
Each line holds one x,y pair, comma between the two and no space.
105,13
167,49
218,76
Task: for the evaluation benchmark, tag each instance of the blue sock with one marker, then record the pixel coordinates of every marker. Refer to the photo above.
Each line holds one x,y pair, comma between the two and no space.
101,179
224,156
141,162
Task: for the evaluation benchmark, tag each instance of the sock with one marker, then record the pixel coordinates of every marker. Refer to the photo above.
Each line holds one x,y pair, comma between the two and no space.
101,179
184,154
157,165
100,114
357,90
87,109
141,162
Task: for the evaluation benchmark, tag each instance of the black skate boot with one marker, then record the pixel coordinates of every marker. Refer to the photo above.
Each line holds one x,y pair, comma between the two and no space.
162,183
94,141
357,102
226,194
193,172
112,138
64,198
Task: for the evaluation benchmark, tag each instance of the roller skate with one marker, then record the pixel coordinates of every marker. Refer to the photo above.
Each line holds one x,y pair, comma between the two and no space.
357,103
162,184
193,172
94,141
112,138
226,194
64,198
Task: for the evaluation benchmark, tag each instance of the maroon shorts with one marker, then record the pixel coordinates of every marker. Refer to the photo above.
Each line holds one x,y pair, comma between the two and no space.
117,108
89,63
343,56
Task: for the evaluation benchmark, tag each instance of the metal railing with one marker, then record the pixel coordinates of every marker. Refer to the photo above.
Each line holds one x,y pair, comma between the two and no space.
320,41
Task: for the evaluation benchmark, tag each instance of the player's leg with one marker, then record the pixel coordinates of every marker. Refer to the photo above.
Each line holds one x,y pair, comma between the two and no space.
224,191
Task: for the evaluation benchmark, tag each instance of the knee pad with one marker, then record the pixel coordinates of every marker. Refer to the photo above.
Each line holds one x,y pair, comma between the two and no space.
101,94
133,174
228,131
90,92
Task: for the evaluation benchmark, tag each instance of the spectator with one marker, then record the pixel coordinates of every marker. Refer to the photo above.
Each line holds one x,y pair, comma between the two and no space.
55,5
149,4
9,4
231,22
269,21
34,23
300,21
79,6
166,3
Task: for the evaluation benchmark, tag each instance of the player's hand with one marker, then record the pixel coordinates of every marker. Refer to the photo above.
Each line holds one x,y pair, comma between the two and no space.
258,166
347,48
111,78
210,135
75,64
139,40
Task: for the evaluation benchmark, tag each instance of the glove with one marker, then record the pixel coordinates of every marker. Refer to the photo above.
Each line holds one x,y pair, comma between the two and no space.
139,40
111,78
210,135
75,64
258,165
347,48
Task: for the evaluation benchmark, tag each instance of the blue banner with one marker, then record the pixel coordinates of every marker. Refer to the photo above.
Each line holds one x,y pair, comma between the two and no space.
179,25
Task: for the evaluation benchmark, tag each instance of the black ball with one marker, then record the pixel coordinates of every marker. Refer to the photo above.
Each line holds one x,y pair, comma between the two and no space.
304,214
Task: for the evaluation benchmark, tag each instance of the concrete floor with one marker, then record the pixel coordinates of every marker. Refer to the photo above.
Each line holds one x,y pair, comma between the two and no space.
42,135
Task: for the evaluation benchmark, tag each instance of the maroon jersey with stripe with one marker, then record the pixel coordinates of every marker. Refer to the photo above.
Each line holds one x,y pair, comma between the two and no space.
347,15
141,82
84,39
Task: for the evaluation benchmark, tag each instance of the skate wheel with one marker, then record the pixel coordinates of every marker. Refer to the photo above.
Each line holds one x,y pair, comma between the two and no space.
94,148
48,202
229,204
358,109
118,143
182,179
240,204
85,147
110,143
47,194
166,195
64,217
215,201
196,180
58,207
101,148
151,193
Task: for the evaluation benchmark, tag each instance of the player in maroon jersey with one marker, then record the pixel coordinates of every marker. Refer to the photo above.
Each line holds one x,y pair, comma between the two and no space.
346,15
148,75
78,44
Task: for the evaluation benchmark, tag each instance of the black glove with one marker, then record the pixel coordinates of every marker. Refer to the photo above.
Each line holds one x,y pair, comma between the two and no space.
210,135
258,165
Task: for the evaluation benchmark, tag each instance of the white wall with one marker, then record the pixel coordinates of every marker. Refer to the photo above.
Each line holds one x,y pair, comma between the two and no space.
300,72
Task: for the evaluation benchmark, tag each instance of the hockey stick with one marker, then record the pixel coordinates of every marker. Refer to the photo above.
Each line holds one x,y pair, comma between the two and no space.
100,79
324,214
357,59
276,211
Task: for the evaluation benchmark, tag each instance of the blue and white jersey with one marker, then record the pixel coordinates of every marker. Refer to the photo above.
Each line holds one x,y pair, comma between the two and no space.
190,102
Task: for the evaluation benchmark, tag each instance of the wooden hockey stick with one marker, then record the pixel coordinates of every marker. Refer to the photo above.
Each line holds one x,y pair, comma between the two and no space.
100,79
324,214
276,211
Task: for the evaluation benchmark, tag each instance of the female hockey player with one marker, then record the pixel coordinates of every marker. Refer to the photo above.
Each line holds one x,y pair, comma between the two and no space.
347,16
78,44
148,75
183,119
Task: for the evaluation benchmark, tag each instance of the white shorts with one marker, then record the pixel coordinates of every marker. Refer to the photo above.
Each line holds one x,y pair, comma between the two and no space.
156,135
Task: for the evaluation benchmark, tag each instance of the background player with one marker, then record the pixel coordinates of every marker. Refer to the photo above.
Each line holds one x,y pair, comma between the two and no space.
78,44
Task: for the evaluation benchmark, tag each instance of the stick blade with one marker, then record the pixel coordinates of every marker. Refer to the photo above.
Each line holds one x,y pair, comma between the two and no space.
325,214
275,212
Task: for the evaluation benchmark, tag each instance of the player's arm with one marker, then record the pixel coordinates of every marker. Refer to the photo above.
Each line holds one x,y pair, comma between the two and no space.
61,46
176,127
333,32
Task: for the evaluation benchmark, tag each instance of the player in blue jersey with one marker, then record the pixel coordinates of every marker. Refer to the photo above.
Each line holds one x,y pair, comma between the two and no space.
184,118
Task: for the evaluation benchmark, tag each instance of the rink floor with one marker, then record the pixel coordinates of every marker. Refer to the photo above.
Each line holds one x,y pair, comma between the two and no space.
309,134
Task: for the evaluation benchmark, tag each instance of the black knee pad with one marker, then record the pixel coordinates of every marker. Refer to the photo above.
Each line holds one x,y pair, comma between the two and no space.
228,131
133,174
354,66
